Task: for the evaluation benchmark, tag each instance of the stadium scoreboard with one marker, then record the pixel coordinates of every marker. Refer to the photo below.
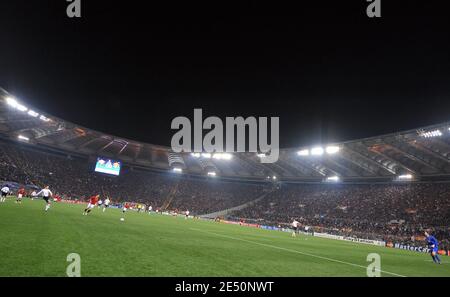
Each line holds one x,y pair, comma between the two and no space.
108,166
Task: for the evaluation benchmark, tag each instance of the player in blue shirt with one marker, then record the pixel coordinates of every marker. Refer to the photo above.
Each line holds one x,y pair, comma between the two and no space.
433,246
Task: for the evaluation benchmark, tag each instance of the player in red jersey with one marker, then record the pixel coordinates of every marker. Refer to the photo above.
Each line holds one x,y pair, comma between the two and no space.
57,198
92,202
20,194
126,206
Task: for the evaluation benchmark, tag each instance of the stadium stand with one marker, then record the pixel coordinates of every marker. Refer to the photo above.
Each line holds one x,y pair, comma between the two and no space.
73,178
423,153
388,187
374,211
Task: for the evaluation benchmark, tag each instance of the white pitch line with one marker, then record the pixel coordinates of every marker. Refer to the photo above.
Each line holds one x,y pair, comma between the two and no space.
295,251
433,261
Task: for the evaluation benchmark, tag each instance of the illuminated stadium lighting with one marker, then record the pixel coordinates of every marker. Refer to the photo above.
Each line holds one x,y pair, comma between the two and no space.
227,156
211,173
222,156
274,177
33,113
43,118
21,107
433,133
217,156
332,149
303,153
405,177
11,101
177,170
317,151
333,178
21,137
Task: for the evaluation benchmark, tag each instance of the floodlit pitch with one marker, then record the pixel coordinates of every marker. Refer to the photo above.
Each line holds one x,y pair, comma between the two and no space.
35,243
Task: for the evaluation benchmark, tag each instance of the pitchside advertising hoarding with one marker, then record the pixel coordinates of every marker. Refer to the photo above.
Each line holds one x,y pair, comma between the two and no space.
108,166
421,249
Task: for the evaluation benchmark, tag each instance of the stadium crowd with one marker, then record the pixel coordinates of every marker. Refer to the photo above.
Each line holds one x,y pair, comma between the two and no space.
72,178
375,211
392,212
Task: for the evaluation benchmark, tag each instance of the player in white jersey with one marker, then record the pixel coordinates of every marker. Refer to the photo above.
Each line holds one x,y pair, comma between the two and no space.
106,204
46,195
150,208
100,203
5,192
295,224
186,214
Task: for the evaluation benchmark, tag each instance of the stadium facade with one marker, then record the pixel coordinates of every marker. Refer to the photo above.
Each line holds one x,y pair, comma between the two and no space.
421,154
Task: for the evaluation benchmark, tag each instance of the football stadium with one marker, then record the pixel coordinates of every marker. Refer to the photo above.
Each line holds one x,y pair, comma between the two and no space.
218,214
195,148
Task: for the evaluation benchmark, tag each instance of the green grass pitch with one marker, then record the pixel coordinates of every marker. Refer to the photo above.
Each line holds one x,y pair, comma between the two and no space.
35,243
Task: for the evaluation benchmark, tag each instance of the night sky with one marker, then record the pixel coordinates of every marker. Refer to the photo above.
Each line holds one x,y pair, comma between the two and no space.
328,71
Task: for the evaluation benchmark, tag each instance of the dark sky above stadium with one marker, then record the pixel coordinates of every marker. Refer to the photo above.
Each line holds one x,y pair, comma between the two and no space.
327,70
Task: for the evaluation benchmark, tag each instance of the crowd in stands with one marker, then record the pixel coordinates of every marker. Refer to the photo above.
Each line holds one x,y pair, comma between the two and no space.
377,211
73,178
396,212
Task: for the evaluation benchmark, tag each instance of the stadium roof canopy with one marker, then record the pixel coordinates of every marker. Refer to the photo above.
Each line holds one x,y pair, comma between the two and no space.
420,154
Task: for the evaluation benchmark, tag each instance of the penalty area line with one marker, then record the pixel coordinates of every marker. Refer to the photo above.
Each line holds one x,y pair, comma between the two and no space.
294,251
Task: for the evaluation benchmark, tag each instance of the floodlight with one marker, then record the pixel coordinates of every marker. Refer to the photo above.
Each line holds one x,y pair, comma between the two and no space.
21,107
332,149
405,176
227,156
43,118
333,178
221,156
303,153
317,151
11,101
21,137
33,113
433,133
